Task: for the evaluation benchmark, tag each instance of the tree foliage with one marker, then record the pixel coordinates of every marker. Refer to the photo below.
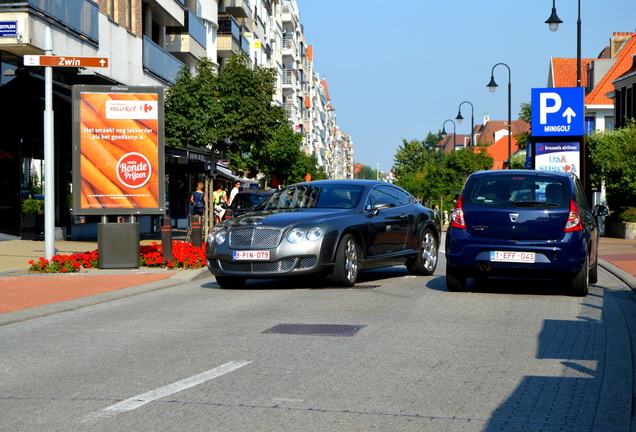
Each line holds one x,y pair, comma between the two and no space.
466,161
367,173
612,160
435,177
413,155
526,115
231,113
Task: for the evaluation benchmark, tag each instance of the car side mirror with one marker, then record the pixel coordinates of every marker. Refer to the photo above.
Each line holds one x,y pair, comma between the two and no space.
600,210
380,205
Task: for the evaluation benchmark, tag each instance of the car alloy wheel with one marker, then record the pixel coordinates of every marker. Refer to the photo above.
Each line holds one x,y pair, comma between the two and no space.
345,272
426,261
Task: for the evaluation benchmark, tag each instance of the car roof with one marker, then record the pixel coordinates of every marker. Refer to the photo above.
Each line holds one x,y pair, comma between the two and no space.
352,182
522,172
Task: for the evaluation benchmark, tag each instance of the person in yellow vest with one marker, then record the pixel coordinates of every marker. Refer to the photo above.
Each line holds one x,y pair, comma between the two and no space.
219,198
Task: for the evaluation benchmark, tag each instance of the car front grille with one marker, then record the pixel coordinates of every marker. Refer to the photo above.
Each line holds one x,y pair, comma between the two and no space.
255,237
282,265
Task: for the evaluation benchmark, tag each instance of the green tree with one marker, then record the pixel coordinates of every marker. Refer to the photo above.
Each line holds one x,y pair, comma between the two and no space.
518,160
249,118
192,109
466,161
612,161
230,113
413,155
366,172
526,115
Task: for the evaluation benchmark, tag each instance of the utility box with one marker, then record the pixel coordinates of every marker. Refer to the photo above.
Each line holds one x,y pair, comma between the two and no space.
118,245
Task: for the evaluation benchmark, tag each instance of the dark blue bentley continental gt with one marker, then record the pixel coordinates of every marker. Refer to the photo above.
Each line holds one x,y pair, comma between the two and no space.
330,227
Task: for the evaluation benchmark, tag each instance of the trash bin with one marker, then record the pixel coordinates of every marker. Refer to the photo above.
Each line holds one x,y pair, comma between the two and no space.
118,245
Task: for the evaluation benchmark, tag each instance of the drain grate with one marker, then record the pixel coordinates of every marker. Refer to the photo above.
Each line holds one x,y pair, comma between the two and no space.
316,329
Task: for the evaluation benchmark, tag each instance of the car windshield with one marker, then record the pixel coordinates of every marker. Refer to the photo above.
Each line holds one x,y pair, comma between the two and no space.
309,196
519,191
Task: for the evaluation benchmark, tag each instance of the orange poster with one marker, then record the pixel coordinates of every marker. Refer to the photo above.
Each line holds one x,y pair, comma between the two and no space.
117,156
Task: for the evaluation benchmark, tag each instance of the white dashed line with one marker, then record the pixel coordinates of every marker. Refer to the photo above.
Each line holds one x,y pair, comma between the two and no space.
142,399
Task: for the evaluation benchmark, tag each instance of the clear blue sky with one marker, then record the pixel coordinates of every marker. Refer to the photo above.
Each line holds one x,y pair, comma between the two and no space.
397,70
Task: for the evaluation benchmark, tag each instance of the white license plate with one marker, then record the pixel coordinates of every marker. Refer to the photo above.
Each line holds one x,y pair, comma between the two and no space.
509,256
254,255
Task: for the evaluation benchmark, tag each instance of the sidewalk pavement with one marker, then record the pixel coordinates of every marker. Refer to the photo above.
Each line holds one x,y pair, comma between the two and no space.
25,295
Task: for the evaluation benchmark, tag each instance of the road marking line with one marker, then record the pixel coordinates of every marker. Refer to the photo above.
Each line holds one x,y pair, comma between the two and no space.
142,399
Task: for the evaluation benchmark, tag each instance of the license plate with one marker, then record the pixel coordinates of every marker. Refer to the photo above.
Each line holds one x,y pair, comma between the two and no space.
254,255
509,256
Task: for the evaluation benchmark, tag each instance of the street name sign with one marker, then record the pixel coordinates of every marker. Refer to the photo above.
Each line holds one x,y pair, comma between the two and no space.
8,28
558,112
65,61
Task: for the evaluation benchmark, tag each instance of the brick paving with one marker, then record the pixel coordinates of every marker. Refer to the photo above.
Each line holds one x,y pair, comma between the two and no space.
21,292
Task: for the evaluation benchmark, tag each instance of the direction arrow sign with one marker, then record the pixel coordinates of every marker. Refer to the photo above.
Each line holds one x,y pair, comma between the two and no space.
558,111
65,61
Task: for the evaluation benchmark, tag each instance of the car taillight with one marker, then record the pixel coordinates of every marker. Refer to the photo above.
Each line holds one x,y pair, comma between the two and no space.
457,217
574,222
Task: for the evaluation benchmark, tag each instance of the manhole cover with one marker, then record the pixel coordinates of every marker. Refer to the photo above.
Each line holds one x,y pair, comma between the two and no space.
316,329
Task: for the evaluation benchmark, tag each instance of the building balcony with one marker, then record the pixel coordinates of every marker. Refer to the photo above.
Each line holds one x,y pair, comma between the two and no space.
160,62
289,14
290,78
292,110
238,8
169,11
189,44
229,38
290,48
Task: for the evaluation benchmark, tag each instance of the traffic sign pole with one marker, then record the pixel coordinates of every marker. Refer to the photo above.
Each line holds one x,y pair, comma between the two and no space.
49,152
49,61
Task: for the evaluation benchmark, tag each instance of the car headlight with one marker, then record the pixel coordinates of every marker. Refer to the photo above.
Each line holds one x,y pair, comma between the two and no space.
217,236
314,234
297,235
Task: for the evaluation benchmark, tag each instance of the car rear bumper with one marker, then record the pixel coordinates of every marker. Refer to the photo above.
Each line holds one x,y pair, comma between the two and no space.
472,256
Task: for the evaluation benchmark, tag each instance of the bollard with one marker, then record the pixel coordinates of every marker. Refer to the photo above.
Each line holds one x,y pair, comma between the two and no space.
166,238
196,231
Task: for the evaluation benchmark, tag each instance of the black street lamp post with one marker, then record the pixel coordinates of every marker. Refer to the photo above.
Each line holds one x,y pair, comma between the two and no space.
492,86
444,134
554,22
459,119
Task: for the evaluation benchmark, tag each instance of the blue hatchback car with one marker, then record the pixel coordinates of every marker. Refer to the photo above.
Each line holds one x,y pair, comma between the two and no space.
523,224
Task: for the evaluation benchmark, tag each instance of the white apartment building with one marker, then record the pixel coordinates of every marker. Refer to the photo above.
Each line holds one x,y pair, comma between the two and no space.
147,42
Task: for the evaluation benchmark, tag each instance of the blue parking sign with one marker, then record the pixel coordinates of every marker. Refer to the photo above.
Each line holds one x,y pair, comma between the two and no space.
558,111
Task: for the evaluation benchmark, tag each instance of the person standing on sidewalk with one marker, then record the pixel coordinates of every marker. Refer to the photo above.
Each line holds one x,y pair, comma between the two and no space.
197,199
236,189
219,199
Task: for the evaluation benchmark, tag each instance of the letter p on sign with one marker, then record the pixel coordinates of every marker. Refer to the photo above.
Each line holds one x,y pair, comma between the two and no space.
544,109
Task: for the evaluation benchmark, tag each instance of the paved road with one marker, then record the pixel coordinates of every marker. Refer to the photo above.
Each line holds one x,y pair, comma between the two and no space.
507,357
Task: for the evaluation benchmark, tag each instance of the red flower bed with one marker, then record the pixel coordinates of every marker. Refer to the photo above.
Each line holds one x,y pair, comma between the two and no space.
184,256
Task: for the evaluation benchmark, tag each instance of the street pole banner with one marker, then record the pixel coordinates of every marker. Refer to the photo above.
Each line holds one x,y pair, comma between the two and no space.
118,154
